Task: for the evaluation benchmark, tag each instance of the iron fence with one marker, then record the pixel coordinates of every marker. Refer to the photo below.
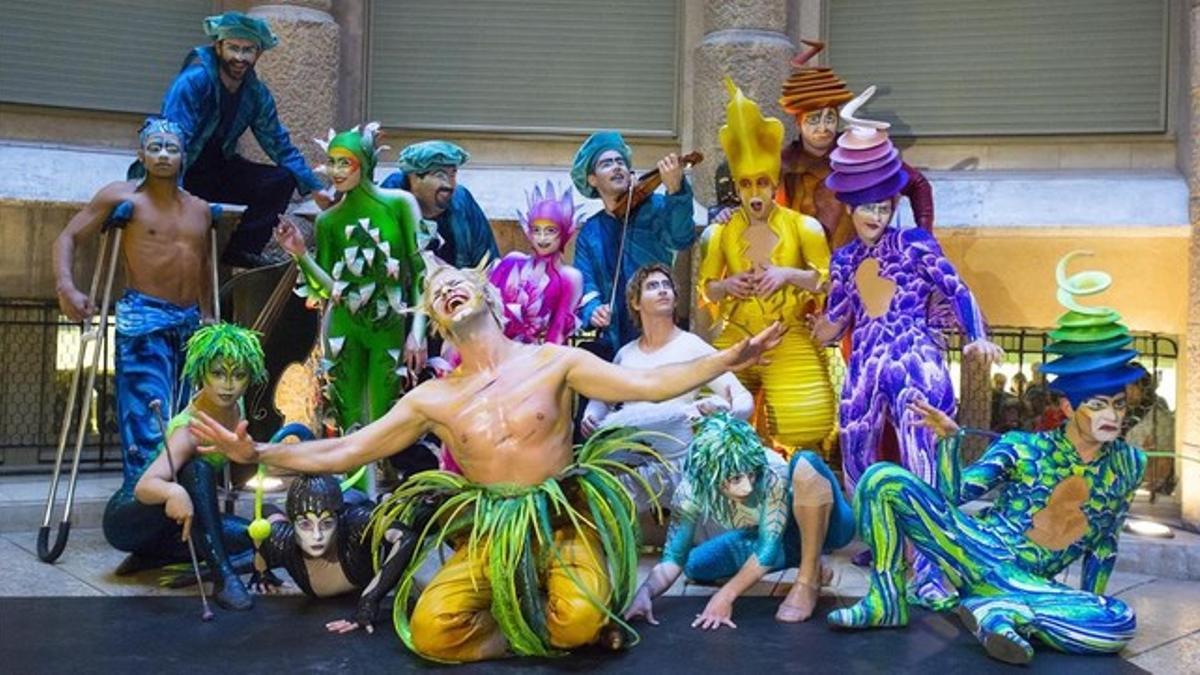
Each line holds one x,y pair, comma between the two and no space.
38,350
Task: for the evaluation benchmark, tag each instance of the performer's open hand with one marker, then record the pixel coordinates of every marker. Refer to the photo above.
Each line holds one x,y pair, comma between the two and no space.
671,170
752,351
937,421
718,612
265,583
178,508
984,349
289,238
642,607
602,317
215,438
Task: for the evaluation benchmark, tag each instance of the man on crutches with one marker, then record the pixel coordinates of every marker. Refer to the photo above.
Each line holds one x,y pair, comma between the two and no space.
166,252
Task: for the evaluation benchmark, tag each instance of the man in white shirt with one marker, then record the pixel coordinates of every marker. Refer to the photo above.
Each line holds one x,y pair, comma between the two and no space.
651,299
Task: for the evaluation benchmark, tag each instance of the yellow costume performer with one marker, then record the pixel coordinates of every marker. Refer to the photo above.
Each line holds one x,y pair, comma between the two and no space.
763,242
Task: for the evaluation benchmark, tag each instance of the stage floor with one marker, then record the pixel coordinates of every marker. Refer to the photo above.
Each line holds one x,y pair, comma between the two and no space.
286,634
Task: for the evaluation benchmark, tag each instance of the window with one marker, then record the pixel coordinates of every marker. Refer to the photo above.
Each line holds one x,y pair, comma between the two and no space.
1006,67
115,55
525,65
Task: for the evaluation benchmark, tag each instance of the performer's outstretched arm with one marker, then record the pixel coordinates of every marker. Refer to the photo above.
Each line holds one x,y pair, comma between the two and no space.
395,431
596,378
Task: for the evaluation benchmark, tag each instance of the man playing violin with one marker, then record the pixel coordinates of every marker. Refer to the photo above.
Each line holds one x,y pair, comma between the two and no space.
653,231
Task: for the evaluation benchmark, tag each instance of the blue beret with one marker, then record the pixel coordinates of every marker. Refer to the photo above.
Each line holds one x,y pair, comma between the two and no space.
585,158
238,26
423,157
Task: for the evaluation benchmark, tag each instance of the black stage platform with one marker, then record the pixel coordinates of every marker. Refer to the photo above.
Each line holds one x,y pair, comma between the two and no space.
286,635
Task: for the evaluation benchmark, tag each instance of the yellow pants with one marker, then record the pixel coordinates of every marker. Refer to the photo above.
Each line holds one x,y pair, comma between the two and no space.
453,622
794,391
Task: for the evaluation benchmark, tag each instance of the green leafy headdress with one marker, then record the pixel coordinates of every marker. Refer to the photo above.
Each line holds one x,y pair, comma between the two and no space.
723,446
220,341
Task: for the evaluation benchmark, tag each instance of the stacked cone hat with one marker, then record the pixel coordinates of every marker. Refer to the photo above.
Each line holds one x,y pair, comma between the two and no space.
811,88
1091,343
865,166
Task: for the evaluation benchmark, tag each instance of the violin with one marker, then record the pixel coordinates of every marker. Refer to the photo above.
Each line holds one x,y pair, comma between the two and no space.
647,183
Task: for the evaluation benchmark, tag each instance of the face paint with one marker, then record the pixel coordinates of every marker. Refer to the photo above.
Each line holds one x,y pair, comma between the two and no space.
226,382
872,220
545,237
344,170
610,173
237,57
818,129
658,294
738,487
1100,417
162,155
315,532
757,194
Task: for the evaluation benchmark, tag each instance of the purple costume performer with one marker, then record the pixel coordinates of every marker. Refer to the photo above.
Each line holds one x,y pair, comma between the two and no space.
882,283
540,291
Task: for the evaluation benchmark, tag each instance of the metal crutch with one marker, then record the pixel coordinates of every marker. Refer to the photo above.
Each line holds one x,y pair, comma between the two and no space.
94,334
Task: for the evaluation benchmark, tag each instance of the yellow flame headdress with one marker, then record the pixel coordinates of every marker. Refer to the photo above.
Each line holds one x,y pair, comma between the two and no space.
752,143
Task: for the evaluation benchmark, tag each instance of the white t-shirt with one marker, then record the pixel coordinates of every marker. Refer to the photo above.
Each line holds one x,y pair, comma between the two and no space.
673,416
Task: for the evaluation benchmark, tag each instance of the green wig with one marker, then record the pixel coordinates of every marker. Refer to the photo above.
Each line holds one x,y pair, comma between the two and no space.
723,446
219,341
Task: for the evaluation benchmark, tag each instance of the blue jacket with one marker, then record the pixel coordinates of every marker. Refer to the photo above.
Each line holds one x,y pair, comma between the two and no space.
192,101
658,229
463,222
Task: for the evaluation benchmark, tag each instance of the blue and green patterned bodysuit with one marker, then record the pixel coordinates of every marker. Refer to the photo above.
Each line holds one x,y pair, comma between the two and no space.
1051,510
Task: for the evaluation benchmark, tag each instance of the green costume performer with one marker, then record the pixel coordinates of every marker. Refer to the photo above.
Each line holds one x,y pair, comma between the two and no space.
368,265
569,543
1062,496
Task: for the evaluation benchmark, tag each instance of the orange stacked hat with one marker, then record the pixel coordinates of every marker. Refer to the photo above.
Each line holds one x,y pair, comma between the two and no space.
812,87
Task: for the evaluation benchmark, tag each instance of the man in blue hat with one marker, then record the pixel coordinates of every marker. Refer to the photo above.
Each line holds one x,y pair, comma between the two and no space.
655,231
214,99
429,170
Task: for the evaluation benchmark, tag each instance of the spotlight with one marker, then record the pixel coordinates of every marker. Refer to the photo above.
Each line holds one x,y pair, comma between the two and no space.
1149,528
269,483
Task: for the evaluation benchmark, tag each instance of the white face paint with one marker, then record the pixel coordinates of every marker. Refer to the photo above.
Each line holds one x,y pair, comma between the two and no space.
738,487
314,533
1101,416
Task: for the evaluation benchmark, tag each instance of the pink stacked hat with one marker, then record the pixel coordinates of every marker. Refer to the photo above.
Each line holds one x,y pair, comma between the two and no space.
866,166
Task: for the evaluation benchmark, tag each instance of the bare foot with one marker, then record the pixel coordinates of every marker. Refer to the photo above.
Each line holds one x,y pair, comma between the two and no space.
799,604
802,599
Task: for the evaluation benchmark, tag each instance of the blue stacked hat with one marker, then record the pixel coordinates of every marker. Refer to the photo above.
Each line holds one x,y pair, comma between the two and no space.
1091,343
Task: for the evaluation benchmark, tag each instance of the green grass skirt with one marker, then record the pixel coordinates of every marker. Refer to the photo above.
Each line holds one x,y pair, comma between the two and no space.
517,523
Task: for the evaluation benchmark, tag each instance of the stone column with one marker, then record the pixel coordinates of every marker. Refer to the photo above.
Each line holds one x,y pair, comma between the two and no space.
745,39
301,71
1189,408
